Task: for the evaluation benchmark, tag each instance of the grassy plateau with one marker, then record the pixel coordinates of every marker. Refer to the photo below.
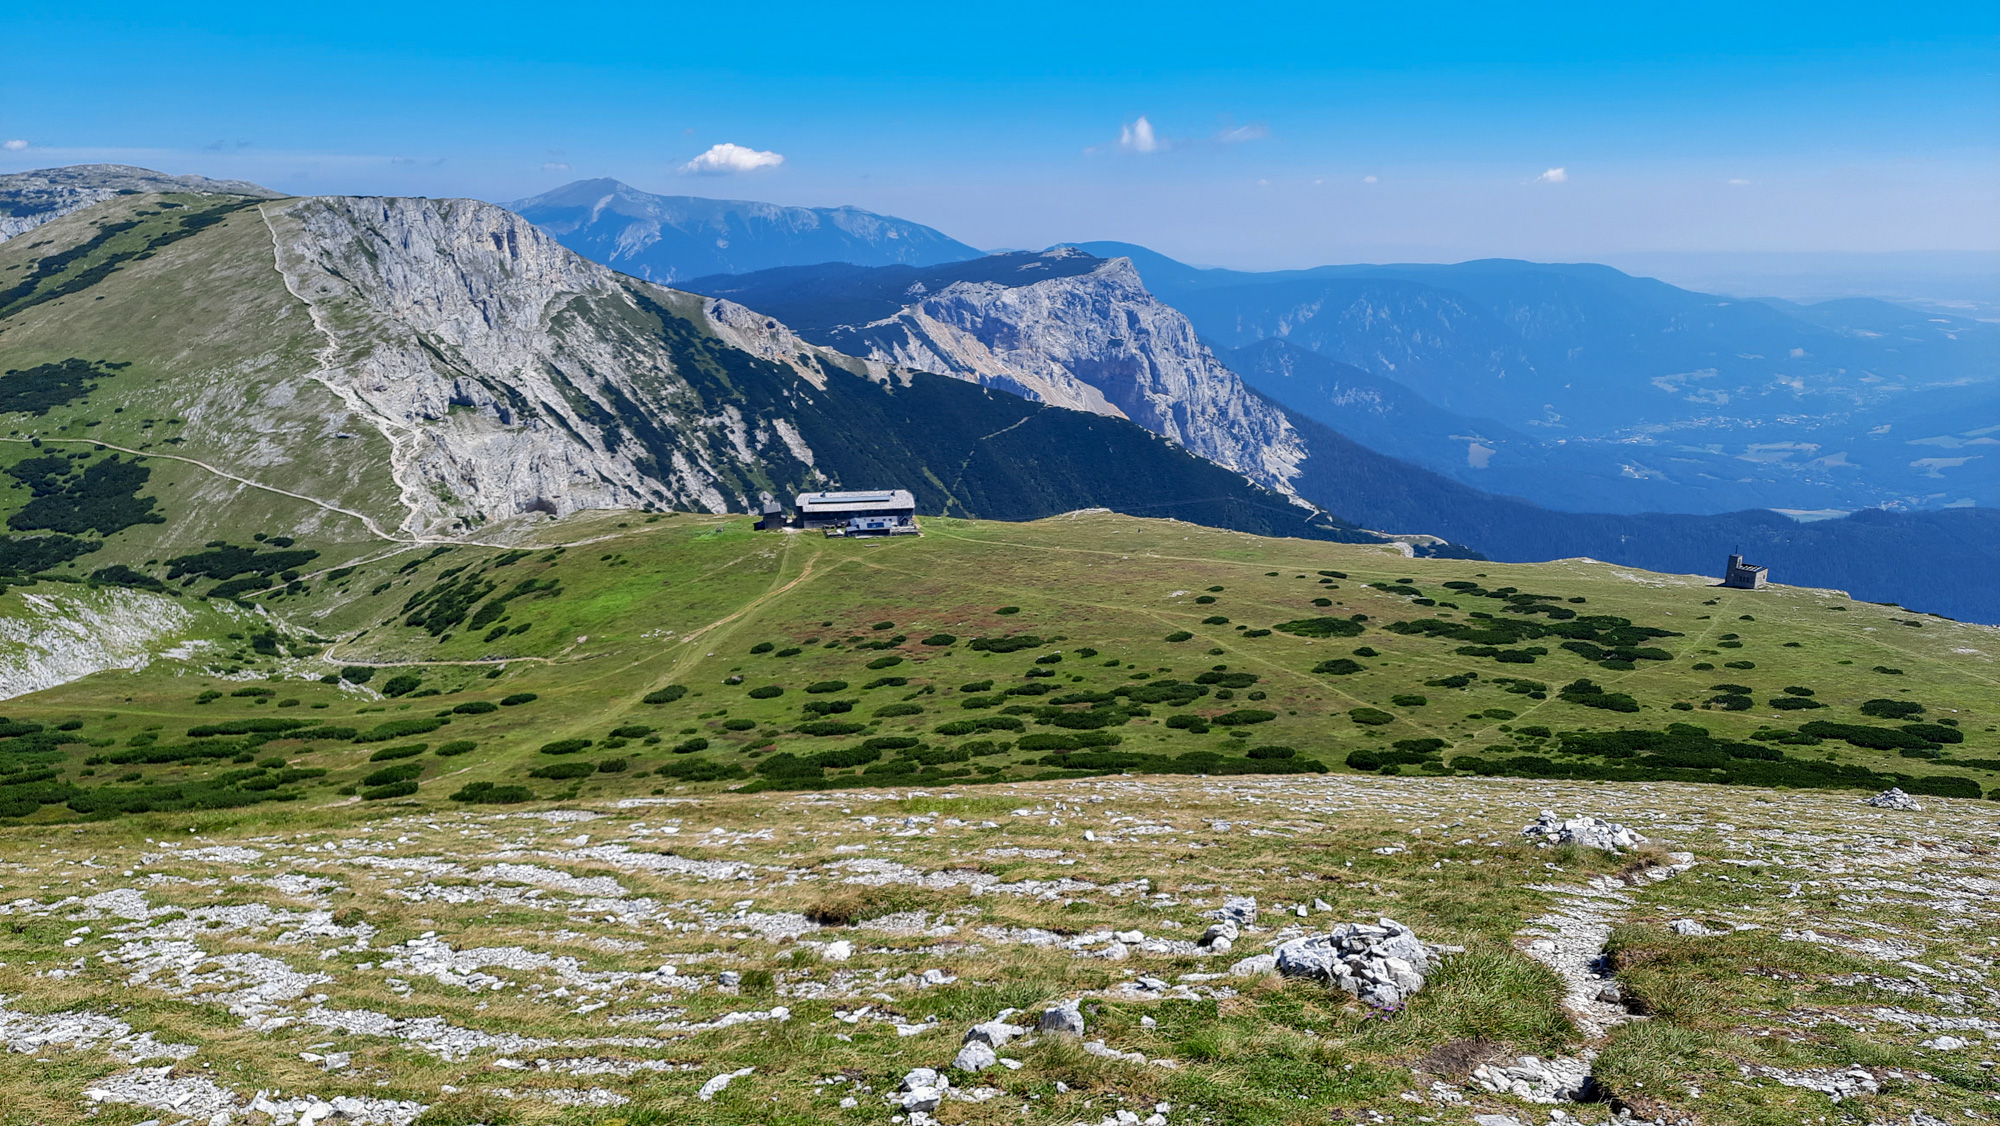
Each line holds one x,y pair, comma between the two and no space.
563,825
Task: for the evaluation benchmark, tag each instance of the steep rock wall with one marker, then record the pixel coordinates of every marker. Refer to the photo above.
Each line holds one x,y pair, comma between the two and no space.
1097,342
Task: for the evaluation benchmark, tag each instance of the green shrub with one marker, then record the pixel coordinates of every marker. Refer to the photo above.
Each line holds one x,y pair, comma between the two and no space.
1339,666
667,695
700,770
1218,678
518,698
1590,695
762,647
690,746
401,685
476,707
564,746
1179,635
486,793
1370,717
1409,701
389,775
828,727
1011,644
766,692
1243,717
1891,709
824,686
406,750
392,790
939,639
883,663
890,711
1321,627
456,747
399,728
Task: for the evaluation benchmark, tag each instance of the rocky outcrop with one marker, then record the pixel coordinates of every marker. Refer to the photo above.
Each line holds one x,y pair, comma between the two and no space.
511,375
1096,341
60,633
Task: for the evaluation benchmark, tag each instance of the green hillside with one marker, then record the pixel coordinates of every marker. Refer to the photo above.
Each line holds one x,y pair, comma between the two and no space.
674,652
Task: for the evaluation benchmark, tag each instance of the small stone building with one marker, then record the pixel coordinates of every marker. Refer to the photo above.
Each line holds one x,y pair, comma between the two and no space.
1744,576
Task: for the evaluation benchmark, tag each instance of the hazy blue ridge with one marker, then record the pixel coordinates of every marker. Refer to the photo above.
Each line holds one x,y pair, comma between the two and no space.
671,238
1935,561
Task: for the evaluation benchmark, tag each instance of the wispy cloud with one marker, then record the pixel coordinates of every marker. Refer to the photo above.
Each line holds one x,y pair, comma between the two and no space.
727,159
555,166
1368,179
1138,136
1737,183
1256,131
14,145
1553,176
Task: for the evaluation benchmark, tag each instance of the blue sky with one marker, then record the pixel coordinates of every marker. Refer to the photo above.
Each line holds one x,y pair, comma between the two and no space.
1273,135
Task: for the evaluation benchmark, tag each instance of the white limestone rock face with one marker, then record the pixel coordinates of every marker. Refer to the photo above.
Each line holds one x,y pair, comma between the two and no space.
58,633
1095,342
512,376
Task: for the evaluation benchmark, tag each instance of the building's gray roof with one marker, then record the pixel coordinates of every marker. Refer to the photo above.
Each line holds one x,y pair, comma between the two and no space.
828,503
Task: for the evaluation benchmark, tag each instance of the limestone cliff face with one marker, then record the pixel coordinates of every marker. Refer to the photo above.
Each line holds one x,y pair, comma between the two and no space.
1098,342
511,375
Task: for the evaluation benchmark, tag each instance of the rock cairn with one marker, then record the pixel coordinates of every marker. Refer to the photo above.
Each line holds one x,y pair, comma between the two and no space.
1893,798
1381,963
1589,832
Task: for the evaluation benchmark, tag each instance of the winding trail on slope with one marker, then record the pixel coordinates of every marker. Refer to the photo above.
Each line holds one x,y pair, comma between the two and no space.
366,520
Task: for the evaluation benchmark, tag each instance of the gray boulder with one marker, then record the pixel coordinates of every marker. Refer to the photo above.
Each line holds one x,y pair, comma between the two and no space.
1065,1018
976,1055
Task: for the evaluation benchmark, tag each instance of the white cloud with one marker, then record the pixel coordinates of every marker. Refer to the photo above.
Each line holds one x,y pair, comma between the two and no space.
1138,137
1553,176
14,146
555,166
726,159
1737,183
1242,133
1368,179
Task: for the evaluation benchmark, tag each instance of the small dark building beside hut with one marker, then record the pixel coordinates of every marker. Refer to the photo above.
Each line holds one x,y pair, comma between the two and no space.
1744,576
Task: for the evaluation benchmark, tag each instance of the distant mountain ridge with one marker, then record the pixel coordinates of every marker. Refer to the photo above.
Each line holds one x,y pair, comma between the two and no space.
1062,327
29,199
1070,328
665,238
1628,393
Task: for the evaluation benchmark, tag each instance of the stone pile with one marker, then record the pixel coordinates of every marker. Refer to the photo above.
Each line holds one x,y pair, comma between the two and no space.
1538,1080
1588,832
1382,963
1893,798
